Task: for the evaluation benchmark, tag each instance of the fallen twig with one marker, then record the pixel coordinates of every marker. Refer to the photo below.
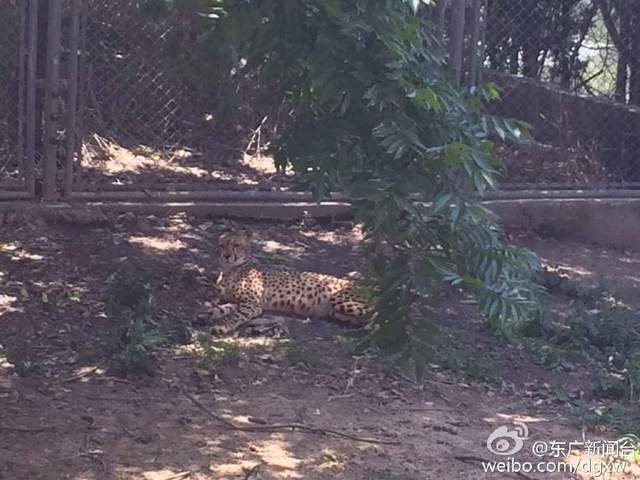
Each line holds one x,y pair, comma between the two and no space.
80,375
179,476
119,380
428,409
352,377
251,471
6,428
275,427
337,397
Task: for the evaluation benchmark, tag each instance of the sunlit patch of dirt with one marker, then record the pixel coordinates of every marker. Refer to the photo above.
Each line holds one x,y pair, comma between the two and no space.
6,373
633,278
109,163
7,303
271,247
232,470
575,270
276,453
15,252
86,374
157,243
261,163
501,418
113,159
355,236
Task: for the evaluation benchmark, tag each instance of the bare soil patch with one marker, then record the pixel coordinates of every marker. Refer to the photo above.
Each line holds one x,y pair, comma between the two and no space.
66,414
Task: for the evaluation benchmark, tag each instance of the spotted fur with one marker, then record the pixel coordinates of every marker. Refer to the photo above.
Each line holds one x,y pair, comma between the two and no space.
251,289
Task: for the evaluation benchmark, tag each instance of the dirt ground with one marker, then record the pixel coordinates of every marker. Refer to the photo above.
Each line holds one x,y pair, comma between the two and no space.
66,414
108,165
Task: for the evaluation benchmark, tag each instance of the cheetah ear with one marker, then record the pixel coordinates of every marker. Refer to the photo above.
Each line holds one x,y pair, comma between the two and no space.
247,234
222,237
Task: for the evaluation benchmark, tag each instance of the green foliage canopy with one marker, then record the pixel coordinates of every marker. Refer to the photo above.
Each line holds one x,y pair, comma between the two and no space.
374,113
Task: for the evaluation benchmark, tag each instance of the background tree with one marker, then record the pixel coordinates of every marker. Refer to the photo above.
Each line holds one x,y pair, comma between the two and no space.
562,42
524,36
622,20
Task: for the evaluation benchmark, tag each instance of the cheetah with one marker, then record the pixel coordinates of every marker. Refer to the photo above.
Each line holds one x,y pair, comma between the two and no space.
250,289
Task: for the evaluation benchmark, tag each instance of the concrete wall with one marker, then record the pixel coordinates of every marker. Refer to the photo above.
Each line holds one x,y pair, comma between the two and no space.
608,221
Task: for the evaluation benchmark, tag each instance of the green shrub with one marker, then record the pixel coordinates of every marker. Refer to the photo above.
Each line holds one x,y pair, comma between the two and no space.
374,113
128,304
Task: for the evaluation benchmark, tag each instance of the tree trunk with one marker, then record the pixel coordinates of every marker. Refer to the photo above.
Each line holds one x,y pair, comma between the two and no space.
632,39
456,39
513,60
622,76
531,40
41,68
565,52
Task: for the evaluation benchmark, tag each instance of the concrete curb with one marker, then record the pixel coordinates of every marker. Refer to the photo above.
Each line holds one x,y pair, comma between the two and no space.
599,220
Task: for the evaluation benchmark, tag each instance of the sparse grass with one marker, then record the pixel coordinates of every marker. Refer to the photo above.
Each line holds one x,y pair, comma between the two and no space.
330,455
23,367
599,329
128,302
295,355
476,370
216,352
624,420
128,293
593,326
135,348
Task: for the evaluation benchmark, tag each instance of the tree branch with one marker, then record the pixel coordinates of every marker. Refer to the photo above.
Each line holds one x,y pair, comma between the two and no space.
278,427
611,28
587,20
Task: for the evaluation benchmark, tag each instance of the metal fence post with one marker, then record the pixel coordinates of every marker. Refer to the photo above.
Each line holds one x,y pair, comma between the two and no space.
30,111
52,101
22,57
72,97
475,46
456,38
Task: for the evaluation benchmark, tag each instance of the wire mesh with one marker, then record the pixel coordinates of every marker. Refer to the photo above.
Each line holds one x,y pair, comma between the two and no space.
569,69
132,95
142,117
10,19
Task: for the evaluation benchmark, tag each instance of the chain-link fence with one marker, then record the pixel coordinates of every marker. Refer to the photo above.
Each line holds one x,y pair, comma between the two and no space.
11,19
571,69
133,93
136,103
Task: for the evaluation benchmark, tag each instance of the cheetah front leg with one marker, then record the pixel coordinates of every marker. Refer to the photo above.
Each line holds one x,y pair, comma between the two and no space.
348,308
243,313
219,312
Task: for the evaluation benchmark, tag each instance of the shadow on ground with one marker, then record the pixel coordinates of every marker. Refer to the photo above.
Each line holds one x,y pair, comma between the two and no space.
65,415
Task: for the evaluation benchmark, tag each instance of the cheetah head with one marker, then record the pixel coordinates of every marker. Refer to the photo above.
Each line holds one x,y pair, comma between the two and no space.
234,249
